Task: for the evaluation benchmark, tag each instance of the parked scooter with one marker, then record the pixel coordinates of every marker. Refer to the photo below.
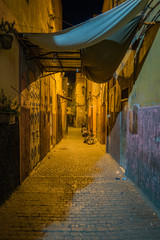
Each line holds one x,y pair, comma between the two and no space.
84,129
90,138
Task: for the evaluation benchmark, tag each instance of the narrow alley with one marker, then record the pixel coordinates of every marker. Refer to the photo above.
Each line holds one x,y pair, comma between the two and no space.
74,193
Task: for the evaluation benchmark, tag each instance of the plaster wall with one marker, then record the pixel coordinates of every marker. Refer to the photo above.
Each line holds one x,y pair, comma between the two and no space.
57,11
143,152
9,71
95,106
138,152
97,110
30,15
109,4
45,117
53,106
9,60
146,89
80,99
21,79
60,109
64,116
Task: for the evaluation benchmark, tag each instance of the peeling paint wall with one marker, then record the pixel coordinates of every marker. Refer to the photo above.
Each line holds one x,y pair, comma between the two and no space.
143,148
143,153
134,140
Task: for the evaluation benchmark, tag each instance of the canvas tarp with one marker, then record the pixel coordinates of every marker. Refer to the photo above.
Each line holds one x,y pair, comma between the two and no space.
103,40
101,60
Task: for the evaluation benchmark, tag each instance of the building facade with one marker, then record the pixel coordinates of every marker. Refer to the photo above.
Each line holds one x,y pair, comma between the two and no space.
42,120
124,113
134,107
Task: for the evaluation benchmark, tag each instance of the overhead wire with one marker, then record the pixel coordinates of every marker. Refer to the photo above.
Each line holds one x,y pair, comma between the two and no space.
144,29
23,25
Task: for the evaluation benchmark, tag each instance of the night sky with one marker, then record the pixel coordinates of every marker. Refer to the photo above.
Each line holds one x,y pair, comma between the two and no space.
77,11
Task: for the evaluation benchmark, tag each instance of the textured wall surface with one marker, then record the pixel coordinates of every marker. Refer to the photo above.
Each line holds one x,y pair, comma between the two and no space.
33,15
9,159
143,153
59,133
80,99
45,135
114,140
25,166
146,89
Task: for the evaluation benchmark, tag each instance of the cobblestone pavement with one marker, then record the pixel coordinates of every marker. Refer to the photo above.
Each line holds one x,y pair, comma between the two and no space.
73,194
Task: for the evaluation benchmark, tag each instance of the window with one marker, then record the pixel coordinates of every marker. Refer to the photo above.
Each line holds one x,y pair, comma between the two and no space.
124,93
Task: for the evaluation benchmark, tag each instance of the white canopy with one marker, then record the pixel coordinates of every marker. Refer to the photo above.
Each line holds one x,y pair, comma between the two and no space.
90,32
103,40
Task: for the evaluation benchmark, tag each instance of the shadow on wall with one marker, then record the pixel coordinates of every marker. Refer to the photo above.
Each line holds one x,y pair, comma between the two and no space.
113,143
9,160
59,120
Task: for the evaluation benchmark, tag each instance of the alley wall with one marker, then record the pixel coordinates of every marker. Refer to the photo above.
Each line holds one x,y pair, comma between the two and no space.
91,106
143,148
43,120
134,108
80,99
